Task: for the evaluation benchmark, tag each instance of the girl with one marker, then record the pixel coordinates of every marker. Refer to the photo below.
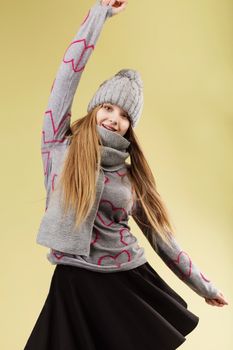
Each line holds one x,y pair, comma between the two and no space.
104,294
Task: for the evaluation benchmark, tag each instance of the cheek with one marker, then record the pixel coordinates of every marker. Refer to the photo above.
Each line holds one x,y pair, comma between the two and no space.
99,116
126,124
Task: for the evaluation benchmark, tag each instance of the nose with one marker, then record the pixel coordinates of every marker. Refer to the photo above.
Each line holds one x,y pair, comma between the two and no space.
113,119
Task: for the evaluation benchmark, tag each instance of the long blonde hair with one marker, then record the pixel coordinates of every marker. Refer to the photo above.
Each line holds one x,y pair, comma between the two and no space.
81,168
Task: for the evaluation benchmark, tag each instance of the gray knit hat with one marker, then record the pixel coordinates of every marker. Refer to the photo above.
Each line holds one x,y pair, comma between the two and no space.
124,89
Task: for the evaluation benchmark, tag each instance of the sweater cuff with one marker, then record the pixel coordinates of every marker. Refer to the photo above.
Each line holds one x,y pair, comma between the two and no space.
109,11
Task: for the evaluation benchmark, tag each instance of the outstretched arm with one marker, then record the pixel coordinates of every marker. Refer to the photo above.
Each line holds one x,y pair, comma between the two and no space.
57,115
177,260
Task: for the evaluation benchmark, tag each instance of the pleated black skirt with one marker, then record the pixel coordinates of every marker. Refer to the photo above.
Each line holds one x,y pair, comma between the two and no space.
129,310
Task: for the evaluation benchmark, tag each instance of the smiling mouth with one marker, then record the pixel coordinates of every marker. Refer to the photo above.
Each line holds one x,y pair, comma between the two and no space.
108,127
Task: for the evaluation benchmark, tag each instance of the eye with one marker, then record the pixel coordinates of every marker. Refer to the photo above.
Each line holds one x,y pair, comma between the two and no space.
107,107
126,117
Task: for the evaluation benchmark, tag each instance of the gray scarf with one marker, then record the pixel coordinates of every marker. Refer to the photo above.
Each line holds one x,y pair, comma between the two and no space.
114,150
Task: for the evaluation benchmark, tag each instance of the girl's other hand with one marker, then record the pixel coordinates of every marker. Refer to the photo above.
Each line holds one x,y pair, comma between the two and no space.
117,6
219,300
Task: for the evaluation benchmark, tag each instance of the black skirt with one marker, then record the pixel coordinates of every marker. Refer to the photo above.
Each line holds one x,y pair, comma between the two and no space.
89,310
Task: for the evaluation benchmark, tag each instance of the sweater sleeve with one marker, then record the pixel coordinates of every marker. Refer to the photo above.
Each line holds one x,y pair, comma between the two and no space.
176,259
57,115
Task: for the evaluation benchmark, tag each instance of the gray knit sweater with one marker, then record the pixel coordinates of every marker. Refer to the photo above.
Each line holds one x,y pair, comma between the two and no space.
104,241
113,247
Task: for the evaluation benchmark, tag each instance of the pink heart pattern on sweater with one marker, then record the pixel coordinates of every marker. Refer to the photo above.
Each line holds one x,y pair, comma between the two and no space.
178,260
57,255
204,278
115,257
121,234
126,236
55,129
115,210
71,56
106,179
182,257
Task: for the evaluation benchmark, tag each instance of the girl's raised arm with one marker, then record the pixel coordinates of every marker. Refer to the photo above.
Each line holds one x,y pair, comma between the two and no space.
57,115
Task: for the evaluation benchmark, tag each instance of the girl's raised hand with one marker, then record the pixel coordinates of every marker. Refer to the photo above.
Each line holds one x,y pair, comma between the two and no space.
117,6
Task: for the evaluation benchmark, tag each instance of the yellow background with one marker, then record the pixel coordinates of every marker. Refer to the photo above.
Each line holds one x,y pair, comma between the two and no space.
183,50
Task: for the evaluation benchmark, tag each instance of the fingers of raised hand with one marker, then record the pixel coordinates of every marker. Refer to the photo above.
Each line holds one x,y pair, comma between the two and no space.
111,2
117,6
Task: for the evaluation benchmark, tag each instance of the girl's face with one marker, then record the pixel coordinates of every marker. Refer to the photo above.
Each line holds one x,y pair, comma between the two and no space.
113,116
